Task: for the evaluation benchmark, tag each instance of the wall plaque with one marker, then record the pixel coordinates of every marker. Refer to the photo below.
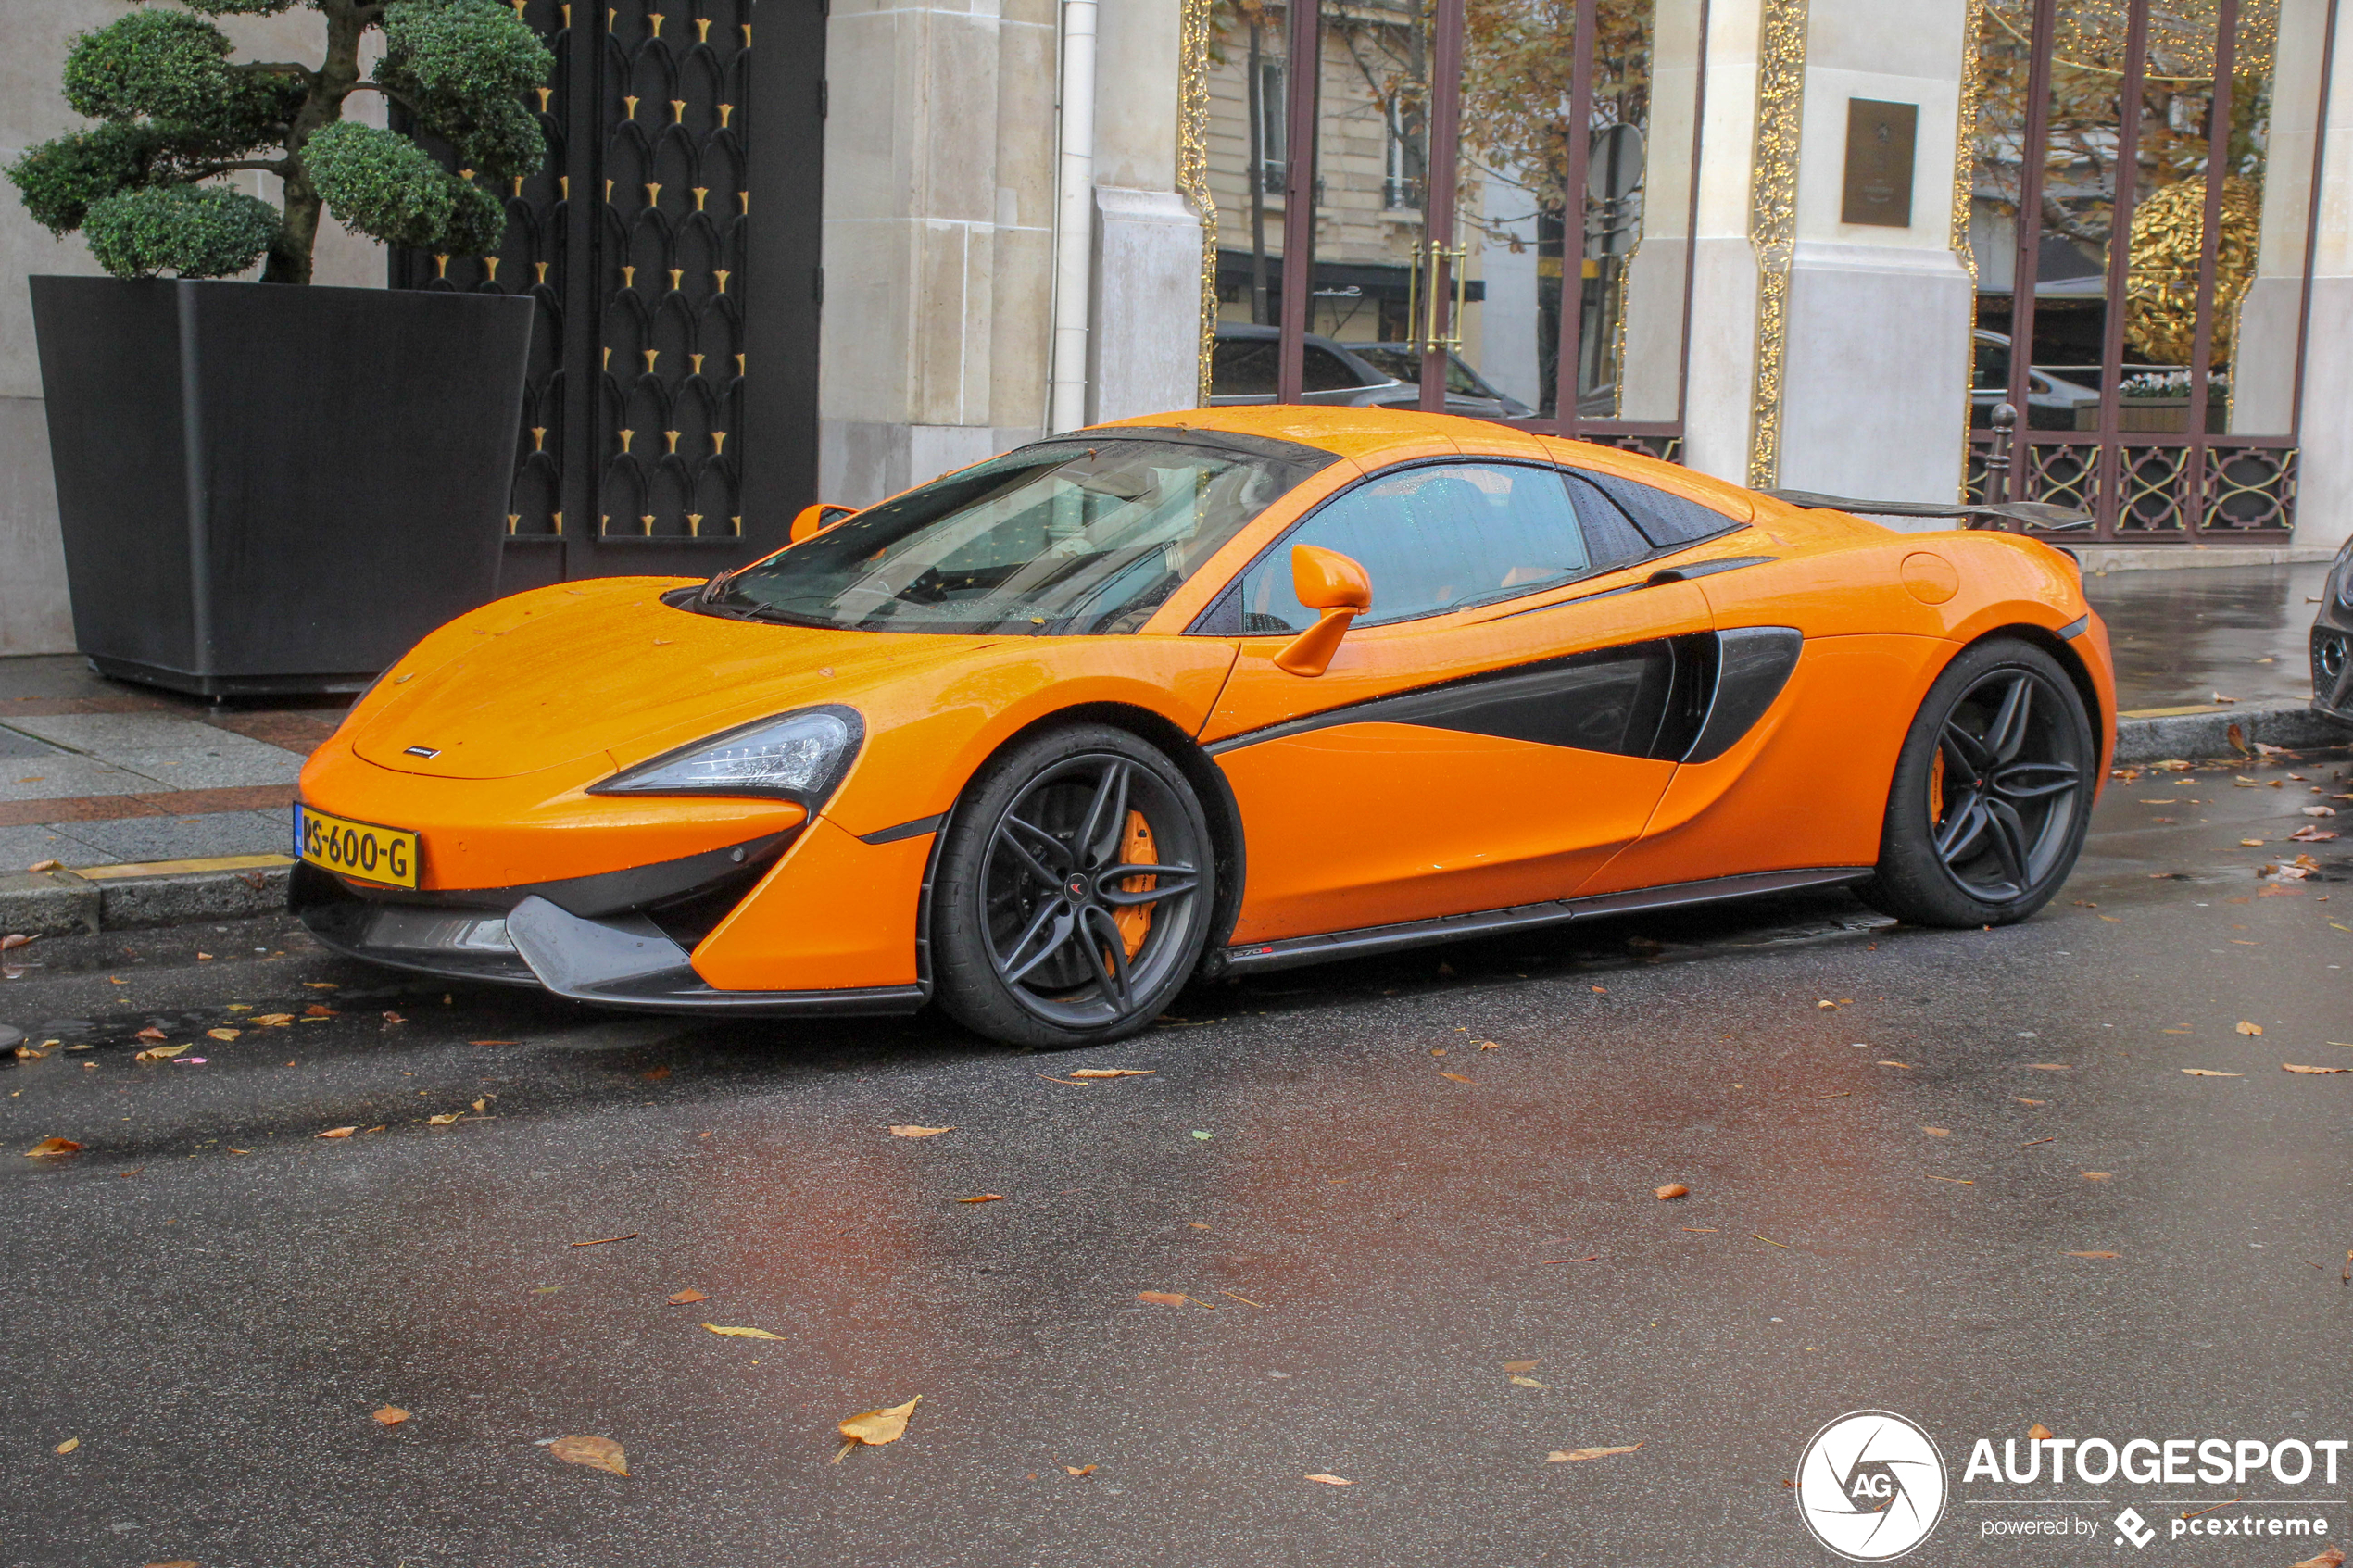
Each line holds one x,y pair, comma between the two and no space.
1879,162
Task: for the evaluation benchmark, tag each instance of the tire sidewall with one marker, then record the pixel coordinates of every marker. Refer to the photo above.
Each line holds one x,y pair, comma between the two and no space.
965,983
1911,883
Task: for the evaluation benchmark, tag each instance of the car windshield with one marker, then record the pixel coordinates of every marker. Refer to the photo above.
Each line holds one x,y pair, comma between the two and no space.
1405,364
1066,537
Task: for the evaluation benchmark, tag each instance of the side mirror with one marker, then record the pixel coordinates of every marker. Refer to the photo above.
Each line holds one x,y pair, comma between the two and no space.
815,518
1329,582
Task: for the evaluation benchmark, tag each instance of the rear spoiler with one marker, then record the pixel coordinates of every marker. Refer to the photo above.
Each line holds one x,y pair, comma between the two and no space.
2035,514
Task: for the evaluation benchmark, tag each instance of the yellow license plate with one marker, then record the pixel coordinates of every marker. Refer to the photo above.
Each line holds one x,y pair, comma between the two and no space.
357,849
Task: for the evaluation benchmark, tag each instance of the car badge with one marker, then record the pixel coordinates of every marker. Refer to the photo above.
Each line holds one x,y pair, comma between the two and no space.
425,751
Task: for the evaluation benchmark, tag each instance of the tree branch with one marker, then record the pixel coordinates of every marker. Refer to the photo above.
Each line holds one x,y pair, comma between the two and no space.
2058,218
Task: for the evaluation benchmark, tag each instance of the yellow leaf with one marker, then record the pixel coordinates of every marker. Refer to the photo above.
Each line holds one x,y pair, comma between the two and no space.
2292,1067
1112,1072
1332,1480
1518,1381
1591,1453
391,1415
1520,1366
2099,1175
69,1445
152,1035
48,1146
919,1131
984,1197
2247,1028
596,1453
687,1298
2040,1433
877,1427
1672,1189
742,1333
223,1033
1938,1132
1161,1298
2210,1072
445,1117
1080,1469
2091,1254
335,1132
275,1020
158,1053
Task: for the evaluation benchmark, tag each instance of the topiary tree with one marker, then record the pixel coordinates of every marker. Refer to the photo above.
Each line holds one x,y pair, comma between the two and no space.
173,111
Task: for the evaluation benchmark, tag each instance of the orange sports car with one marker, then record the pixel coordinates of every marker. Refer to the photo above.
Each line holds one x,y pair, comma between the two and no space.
1212,692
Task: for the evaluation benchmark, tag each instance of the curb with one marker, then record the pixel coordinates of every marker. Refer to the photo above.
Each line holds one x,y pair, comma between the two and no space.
55,903
2189,734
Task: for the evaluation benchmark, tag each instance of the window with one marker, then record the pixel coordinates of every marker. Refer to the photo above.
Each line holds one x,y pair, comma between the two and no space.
1062,538
1322,371
1668,521
1242,367
1432,539
1274,127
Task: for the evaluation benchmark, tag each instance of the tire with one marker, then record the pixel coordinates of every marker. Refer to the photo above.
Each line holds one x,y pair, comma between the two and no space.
1993,792
1027,940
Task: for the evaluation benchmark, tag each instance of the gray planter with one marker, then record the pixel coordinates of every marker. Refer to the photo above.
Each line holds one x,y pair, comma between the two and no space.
266,489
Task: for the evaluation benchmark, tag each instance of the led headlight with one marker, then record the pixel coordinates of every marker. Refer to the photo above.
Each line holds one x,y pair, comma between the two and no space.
2345,575
799,756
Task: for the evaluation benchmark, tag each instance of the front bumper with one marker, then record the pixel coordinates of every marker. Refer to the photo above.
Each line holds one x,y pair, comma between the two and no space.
621,940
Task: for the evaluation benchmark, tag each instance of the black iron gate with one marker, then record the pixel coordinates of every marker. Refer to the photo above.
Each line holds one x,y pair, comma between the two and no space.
669,414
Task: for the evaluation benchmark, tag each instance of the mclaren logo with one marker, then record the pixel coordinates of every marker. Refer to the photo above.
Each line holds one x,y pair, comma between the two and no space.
1870,1486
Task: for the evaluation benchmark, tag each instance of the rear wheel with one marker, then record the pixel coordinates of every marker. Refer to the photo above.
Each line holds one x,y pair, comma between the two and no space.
1993,792
1073,895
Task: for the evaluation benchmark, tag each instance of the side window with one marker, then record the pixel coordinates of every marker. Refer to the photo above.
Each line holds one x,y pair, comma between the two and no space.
1241,364
1432,539
1668,521
1324,371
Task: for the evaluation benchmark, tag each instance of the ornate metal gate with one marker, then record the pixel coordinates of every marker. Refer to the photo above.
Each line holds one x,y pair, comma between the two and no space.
670,411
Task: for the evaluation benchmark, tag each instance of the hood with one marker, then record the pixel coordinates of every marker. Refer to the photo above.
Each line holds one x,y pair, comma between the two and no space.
548,678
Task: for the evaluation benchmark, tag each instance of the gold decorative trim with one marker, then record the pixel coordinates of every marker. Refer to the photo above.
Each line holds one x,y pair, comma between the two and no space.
1772,219
1192,163
1964,206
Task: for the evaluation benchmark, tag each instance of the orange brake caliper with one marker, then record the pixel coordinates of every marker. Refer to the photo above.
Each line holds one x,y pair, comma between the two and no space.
1936,789
1135,849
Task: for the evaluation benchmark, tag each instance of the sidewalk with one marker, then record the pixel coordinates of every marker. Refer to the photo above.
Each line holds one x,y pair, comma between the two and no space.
97,772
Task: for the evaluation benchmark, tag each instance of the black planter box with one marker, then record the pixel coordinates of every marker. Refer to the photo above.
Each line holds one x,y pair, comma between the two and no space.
270,489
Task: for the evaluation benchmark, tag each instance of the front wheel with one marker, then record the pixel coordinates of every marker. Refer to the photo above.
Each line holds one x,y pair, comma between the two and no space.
1073,891
1993,792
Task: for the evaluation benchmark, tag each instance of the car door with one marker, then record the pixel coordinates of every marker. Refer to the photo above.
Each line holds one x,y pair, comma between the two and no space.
1484,736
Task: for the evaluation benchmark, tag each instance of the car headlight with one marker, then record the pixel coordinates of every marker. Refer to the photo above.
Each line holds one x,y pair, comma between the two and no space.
799,757
2345,575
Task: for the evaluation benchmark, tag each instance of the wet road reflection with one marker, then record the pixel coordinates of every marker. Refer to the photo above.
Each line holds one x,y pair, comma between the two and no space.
2181,636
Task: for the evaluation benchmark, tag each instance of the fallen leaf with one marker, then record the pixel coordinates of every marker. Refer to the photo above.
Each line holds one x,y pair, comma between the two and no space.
2247,1028
2024,1100
600,1240
742,1333
2050,1067
14,939
655,1074
151,1033
2292,1067
274,1019
1672,1189
158,1053
1827,1004
1112,1072
1161,1298
395,1018
1894,1063
47,1148
391,1415
44,865
2210,1072
2091,1254
1458,1078
1938,1132
1575,1454
1525,1383
2040,1433
984,1197
1244,1299
318,1009
2220,697
2331,1558
687,1298
2098,1175
877,1427
223,1033
493,1042
2236,736
1520,1366
1331,1480
1957,1181
2252,842
2310,834
1079,1469
2317,811
1769,1242
1203,1136
596,1453
335,1132
323,984
919,1131
445,1117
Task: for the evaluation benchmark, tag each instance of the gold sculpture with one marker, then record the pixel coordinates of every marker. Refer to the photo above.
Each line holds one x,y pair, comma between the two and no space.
2160,312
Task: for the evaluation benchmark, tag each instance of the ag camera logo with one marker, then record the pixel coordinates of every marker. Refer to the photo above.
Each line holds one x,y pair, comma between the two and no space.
1870,1486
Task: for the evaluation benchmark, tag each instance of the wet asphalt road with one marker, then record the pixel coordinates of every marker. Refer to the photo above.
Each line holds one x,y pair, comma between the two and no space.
213,1301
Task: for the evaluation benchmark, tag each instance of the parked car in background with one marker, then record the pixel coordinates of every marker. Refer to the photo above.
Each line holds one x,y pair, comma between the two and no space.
2333,641
2051,401
1467,392
1242,370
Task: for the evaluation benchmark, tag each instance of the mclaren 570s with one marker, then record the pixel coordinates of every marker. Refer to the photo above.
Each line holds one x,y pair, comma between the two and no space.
1214,692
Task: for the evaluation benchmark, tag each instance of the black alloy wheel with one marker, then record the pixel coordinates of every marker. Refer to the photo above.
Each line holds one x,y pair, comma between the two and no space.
1074,893
1992,793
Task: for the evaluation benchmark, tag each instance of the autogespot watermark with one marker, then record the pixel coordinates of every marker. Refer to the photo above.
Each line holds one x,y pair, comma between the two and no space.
1873,1485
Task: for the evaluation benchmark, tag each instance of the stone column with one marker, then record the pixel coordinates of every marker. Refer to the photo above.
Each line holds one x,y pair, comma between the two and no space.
1827,354
1143,353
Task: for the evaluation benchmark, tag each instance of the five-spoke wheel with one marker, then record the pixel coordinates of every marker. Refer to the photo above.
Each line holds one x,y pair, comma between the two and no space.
1993,792
1073,895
